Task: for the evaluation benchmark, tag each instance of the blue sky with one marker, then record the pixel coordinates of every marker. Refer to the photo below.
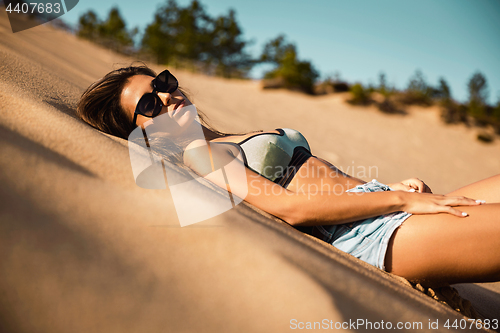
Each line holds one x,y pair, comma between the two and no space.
361,38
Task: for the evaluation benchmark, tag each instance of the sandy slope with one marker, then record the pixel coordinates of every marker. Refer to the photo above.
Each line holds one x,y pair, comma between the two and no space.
85,249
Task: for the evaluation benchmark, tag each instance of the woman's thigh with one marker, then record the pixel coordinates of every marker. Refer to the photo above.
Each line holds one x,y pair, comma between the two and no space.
487,189
441,248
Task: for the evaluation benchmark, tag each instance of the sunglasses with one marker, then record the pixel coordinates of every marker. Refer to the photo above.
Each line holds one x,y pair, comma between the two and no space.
150,104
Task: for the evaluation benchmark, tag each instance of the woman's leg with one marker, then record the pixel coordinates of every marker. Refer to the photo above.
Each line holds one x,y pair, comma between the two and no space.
441,248
487,189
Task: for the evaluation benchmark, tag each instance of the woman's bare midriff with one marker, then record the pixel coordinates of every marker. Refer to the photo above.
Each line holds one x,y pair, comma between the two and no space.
314,176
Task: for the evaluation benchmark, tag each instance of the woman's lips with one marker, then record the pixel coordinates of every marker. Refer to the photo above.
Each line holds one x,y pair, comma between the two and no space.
179,105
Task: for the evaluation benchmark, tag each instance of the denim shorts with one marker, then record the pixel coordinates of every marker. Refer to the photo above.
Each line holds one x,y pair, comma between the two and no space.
365,239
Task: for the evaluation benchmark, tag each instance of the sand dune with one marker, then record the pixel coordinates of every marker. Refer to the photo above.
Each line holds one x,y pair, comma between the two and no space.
85,249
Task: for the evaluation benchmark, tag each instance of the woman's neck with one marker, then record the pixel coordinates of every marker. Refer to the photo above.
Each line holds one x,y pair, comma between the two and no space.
195,131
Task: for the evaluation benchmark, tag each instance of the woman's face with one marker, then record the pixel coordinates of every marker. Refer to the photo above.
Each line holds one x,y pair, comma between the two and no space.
175,113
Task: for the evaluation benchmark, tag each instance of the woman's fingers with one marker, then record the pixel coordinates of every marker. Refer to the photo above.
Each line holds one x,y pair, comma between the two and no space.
419,185
463,201
412,185
416,184
454,211
399,187
406,187
425,203
460,201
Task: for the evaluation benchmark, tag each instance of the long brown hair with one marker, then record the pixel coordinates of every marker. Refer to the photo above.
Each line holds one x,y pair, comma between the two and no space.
100,105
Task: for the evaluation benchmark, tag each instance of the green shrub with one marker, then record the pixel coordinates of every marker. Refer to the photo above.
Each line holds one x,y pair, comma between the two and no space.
418,91
111,33
453,113
443,91
477,106
332,85
294,73
383,88
479,112
496,113
360,95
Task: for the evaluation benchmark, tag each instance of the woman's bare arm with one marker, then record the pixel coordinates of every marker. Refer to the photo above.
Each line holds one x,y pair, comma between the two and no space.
307,209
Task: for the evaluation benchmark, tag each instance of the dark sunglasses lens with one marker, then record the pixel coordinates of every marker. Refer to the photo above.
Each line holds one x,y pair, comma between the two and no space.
149,105
166,82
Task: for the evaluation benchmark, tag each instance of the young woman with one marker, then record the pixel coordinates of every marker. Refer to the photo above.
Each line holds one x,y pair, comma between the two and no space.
402,228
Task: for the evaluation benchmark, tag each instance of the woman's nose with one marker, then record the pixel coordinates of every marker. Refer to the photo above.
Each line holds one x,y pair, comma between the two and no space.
165,97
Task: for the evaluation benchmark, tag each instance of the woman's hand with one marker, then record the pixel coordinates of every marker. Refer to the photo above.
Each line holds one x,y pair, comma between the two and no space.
411,185
427,203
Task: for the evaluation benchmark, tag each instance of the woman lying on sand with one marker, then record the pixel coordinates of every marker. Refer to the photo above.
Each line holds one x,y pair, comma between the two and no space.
402,228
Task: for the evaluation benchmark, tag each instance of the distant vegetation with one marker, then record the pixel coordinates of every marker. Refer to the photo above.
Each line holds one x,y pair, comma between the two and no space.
178,36
111,33
188,37
474,112
289,71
